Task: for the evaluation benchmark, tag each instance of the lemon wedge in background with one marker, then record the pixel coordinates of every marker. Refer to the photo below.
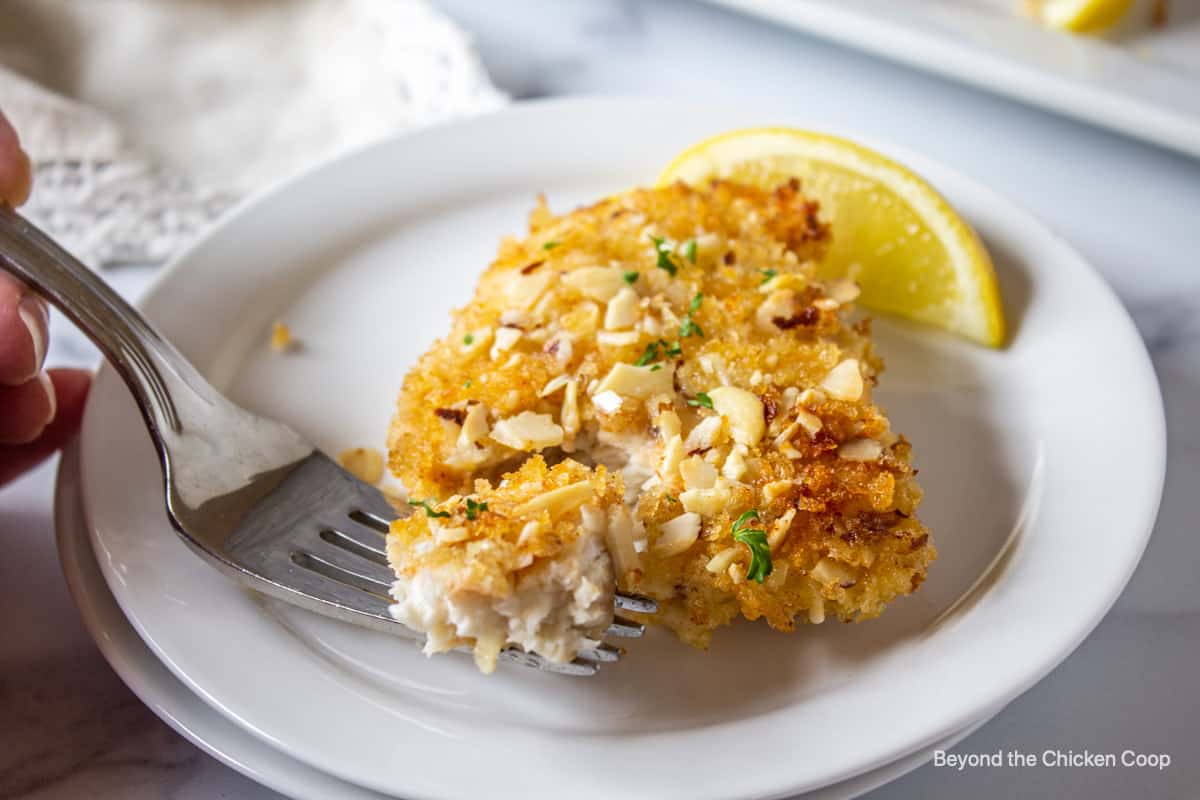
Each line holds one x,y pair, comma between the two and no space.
1080,16
892,232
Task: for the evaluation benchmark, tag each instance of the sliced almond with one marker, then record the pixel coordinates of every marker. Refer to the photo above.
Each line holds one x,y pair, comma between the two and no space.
845,381
708,433
623,311
673,455
810,422
860,450
707,502
608,402
677,535
618,338
721,561
443,535
528,431
474,425
735,463
743,410
562,349
779,528
475,340
816,612
598,283
776,489
557,501
829,571
842,290
618,528
522,291
554,384
504,340
570,409
668,424
697,473
640,382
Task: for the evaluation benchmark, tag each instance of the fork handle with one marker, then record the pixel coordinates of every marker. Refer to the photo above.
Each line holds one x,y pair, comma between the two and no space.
155,372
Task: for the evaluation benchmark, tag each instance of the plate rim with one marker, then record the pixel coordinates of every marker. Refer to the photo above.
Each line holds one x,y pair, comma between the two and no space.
1155,441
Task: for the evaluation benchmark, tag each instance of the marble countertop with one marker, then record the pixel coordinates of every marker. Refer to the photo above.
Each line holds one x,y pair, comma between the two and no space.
71,730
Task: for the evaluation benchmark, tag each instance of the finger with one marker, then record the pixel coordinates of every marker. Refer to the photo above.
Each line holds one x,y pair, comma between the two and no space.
71,387
24,318
16,171
26,410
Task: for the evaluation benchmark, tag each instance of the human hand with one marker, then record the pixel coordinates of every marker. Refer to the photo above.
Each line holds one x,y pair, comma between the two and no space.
39,409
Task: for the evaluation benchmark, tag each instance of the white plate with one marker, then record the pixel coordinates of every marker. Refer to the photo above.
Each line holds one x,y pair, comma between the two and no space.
1043,466
1145,83
199,723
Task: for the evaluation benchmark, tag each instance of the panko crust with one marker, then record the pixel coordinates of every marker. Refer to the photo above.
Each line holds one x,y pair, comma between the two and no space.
725,284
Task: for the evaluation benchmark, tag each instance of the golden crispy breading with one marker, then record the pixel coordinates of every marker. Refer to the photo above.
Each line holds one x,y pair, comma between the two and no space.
679,336
498,554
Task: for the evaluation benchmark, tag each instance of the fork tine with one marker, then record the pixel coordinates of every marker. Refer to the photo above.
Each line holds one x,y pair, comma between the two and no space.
625,628
602,653
333,552
635,603
365,545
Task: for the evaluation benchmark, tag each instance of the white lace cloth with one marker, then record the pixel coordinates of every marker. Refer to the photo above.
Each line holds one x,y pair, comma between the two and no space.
163,112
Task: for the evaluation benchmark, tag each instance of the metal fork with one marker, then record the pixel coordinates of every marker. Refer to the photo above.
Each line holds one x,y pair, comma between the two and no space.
247,493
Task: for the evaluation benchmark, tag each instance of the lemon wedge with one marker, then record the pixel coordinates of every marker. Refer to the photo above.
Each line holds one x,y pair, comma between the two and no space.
892,232
1080,16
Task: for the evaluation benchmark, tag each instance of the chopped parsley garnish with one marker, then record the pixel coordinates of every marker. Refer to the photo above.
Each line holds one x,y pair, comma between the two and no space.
701,399
666,259
468,339
768,274
430,511
649,354
689,327
656,368
654,351
756,540
550,245
474,508
631,277
671,497
689,250
467,383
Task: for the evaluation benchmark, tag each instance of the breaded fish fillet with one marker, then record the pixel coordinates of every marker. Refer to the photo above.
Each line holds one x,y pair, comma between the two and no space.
679,337
523,563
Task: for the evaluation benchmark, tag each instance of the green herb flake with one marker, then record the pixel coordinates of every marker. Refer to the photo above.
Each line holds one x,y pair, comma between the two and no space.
468,339
631,277
756,540
671,497
673,350
701,399
474,508
656,368
688,326
689,250
768,274
467,383
430,511
650,354
741,522
665,259
550,245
